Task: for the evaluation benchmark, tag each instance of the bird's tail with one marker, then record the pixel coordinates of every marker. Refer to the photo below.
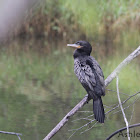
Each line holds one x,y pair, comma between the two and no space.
98,110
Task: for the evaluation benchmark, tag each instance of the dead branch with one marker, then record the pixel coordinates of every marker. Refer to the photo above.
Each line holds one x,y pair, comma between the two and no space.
132,113
126,61
12,133
120,104
84,100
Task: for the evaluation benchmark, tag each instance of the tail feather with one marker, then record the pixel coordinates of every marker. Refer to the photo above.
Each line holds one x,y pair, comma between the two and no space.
98,110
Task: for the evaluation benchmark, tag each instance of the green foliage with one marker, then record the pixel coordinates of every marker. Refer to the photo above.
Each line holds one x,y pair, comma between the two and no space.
92,15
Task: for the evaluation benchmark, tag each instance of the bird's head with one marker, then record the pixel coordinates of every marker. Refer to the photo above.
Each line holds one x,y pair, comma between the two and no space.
82,48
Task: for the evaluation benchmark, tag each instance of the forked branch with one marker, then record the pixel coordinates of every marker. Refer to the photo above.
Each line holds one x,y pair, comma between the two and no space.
12,133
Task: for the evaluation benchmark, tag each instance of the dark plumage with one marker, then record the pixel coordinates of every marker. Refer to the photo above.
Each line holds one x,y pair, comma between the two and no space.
90,75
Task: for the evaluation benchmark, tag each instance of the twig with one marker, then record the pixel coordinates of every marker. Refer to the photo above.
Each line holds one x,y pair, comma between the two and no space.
131,96
84,100
122,129
131,115
85,111
81,128
124,116
116,92
89,128
122,102
84,118
18,137
12,133
127,106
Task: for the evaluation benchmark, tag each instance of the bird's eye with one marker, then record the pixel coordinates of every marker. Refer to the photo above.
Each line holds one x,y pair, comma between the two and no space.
78,43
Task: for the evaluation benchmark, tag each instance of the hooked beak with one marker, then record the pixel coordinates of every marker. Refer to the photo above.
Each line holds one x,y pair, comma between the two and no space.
74,45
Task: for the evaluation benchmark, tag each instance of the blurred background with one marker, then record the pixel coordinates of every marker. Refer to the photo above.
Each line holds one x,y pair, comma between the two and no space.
37,82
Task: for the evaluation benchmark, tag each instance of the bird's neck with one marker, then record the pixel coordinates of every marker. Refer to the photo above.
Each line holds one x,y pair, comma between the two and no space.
78,53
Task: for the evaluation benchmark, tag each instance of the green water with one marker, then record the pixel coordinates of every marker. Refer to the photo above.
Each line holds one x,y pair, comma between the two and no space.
38,89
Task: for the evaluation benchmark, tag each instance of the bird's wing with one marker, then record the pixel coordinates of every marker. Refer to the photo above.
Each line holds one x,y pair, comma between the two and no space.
97,69
89,76
85,75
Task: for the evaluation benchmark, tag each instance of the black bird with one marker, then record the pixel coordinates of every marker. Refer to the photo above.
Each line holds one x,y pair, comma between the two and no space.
90,75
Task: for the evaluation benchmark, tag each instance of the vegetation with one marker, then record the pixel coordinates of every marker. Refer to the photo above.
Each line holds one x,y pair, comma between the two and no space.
104,23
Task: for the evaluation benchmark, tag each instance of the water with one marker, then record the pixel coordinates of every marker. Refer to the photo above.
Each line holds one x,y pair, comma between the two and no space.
38,94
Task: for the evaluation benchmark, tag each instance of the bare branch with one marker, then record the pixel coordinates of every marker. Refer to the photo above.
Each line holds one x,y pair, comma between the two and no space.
87,118
123,103
127,106
89,128
122,65
116,92
84,100
131,115
81,128
124,116
12,133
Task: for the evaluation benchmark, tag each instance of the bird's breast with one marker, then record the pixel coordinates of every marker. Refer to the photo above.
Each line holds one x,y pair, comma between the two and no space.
79,70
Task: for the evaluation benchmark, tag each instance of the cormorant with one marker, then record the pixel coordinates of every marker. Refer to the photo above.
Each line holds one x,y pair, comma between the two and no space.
90,76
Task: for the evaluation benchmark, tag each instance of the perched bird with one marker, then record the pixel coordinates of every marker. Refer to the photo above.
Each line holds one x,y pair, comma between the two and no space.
90,75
